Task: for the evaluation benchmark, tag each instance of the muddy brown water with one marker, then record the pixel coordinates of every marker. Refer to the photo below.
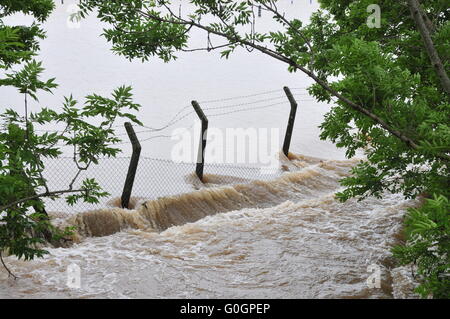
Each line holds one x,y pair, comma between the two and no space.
285,238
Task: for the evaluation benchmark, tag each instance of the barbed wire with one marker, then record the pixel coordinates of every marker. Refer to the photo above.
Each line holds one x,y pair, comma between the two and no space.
239,97
179,116
248,109
249,103
174,119
214,115
150,131
173,122
245,96
162,136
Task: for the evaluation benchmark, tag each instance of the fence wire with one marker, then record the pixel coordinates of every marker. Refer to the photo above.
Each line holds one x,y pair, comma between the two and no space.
155,178
158,177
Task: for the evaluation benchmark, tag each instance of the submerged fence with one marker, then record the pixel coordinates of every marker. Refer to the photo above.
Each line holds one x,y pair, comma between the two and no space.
130,181
154,178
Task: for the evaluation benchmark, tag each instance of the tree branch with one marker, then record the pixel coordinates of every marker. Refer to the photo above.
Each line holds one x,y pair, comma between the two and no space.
289,24
417,15
7,269
235,38
210,48
36,196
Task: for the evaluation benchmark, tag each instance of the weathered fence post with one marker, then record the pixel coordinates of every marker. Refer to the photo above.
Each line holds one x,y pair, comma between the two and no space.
202,144
128,187
290,127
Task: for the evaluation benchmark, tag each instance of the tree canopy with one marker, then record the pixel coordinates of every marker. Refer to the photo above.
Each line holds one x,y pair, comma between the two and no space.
24,222
388,86
387,83
388,97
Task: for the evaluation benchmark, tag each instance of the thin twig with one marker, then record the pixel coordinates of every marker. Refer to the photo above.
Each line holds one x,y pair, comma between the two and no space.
46,194
417,15
6,267
290,25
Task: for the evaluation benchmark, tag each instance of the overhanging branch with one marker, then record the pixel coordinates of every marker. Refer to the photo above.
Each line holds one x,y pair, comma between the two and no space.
36,196
417,14
276,55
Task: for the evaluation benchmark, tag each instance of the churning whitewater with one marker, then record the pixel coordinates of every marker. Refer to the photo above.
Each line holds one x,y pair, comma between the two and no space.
285,238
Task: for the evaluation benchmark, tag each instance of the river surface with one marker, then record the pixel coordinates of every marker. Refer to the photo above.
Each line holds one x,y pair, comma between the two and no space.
284,238
279,237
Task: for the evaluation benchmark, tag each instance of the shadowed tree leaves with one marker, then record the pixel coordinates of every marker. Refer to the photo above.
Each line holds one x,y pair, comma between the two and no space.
24,223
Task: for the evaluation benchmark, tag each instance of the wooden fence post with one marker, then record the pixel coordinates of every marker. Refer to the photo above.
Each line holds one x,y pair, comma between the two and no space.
128,187
202,144
290,127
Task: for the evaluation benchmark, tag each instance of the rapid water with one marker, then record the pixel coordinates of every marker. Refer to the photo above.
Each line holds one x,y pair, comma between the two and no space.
285,238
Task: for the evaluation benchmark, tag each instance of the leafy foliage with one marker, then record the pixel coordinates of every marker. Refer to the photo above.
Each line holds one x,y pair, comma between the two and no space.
22,155
388,99
24,223
19,43
385,71
428,246
388,71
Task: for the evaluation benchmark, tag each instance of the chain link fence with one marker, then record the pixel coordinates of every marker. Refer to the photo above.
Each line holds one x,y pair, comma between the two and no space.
154,178
160,177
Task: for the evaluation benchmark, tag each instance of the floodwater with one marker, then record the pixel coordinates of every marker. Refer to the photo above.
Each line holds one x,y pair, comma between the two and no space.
281,238
286,238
